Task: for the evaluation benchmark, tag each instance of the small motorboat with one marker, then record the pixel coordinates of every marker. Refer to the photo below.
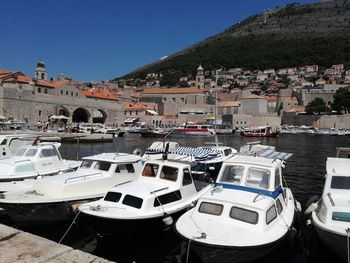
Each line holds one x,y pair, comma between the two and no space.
330,214
56,198
33,160
205,160
259,131
149,204
153,133
193,129
246,213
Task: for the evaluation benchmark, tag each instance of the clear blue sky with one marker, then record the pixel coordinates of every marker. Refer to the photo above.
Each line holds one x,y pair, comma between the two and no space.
92,40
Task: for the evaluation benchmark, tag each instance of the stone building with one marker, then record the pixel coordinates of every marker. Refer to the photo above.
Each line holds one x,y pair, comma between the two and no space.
32,100
253,105
200,77
40,71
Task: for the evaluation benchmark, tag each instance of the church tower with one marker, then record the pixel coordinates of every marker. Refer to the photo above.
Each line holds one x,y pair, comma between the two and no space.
40,71
200,77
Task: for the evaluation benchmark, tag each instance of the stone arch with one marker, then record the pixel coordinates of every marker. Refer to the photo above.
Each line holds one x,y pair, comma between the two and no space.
61,110
99,116
81,115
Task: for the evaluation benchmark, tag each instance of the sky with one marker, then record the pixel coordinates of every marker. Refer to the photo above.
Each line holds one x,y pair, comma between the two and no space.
94,40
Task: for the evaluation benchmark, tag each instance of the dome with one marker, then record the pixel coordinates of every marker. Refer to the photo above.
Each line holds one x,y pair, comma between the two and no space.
200,67
40,64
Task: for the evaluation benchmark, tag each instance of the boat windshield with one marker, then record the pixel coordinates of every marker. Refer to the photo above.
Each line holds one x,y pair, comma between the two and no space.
258,178
31,152
103,166
20,152
340,182
232,174
150,170
86,164
169,173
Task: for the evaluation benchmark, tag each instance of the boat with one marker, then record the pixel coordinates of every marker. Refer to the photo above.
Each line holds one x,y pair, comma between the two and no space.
259,131
33,160
193,129
204,160
154,133
55,199
246,213
147,205
330,214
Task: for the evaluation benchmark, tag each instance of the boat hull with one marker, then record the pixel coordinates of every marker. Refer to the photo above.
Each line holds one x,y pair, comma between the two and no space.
209,253
273,134
43,213
126,227
153,134
337,243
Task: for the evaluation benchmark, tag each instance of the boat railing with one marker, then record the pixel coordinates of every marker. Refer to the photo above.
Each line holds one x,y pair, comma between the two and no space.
22,161
82,177
158,190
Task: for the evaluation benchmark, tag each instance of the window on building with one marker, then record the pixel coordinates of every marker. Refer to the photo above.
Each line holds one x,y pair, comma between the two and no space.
39,90
182,100
76,94
173,100
61,92
45,91
71,93
39,113
66,92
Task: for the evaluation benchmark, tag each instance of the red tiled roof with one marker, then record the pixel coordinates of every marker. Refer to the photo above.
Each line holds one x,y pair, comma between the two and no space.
51,84
137,106
98,95
191,90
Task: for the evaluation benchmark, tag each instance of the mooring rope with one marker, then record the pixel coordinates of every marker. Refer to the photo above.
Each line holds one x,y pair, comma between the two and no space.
69,227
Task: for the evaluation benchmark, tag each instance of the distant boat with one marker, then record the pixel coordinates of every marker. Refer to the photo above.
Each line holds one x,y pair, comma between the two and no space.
153,133
259,131
193,129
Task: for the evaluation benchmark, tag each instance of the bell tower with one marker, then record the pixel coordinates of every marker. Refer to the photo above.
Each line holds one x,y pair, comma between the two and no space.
200,77
40,71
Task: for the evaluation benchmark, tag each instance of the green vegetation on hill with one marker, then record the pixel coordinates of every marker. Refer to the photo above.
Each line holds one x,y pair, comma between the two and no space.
293,36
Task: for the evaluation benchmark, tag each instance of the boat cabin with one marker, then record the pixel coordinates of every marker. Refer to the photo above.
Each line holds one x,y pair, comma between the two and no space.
334,205
160,183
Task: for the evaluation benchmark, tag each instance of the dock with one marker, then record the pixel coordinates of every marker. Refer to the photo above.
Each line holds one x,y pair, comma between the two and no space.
18,246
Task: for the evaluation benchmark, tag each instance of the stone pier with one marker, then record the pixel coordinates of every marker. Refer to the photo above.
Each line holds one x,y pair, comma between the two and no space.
18,246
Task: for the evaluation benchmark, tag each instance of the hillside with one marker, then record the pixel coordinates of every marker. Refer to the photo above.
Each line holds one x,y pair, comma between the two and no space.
294,35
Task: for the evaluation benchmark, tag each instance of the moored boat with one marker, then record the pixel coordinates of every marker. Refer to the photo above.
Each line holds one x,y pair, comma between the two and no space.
55,199
245,214
330,215
147,205
259,131
193,129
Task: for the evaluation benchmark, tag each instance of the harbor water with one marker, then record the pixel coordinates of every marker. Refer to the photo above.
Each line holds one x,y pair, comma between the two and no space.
304,174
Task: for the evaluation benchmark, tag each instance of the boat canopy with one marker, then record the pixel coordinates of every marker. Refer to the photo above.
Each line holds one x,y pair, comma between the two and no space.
198,153
263,151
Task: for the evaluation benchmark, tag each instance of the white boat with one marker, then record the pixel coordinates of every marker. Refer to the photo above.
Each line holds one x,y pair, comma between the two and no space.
205,160
245,214
330,215
193,129
33,160
146,205
55,198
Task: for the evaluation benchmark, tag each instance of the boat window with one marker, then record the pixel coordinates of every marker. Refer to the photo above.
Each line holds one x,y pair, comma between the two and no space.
227,152
132,201
24,168
20,152
187,177
125,168
103,166
277,178
279,206
232,174
340,182
55,151
86,164
150,170
167,198
341,216
244,215
169,173
31,152
4,142
113,197
46,153
258,178
211,208
271,214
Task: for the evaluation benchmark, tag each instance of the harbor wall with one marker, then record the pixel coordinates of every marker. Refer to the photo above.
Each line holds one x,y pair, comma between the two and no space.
318,121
